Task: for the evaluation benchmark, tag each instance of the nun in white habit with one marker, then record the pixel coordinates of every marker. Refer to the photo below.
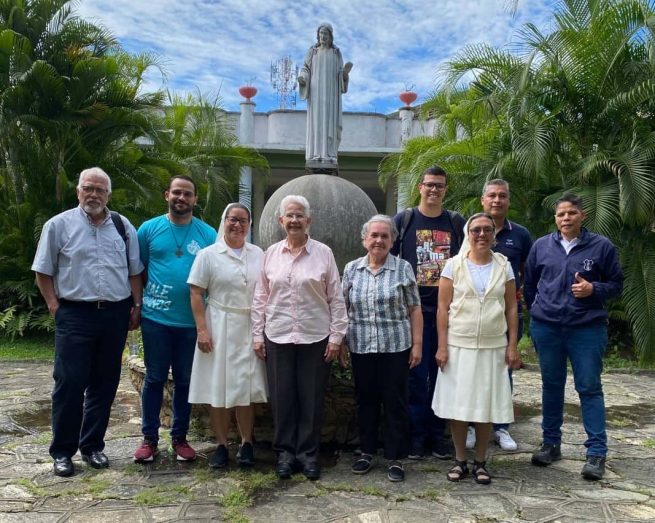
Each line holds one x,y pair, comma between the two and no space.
226,372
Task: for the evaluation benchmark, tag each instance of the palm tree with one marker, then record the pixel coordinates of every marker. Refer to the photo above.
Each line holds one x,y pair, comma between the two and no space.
572,110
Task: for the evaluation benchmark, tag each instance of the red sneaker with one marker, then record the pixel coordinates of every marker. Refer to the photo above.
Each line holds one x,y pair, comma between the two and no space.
183,450
146,452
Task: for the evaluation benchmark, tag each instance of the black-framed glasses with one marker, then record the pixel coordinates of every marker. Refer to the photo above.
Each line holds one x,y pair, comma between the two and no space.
438,186
477,231
90,189
241,221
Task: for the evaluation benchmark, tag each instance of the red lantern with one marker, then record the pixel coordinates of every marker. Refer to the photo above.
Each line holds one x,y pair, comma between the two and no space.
408,97
247,91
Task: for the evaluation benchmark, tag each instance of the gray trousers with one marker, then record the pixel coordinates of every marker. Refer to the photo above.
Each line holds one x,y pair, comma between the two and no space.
297,378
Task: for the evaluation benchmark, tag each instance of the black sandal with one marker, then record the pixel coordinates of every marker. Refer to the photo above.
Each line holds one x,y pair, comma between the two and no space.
460,468
396,472
362,465
480,469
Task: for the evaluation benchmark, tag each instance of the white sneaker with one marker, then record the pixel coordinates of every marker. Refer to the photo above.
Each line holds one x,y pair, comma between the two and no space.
470,437
505,440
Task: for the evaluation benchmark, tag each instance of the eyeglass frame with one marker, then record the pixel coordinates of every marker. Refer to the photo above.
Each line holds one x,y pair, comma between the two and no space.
431,185
476,231
90,189
240,221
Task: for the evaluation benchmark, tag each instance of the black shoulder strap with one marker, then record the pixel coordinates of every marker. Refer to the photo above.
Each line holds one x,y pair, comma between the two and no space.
407,217
458,226
120,227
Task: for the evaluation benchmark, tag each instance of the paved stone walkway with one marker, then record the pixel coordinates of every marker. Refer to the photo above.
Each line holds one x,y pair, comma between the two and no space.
168,491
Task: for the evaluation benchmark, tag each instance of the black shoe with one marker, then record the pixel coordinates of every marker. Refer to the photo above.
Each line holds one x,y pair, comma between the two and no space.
312,471
63,467
246,455
442,450
594,468
416,451
219,459
362,465
546,454
96,459
396,472
283,470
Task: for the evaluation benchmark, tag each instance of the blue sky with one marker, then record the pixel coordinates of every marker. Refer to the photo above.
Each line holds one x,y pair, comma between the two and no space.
217,45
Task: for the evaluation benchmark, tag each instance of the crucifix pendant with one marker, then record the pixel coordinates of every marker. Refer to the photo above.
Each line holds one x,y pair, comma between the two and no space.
178,253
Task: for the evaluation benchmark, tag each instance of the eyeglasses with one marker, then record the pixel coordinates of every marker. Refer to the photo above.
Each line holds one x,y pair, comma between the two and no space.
477,231
241,221
178,193
291,216
438,186
90,189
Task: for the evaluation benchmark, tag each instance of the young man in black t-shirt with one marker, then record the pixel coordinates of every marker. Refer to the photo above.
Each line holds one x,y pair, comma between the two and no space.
429,236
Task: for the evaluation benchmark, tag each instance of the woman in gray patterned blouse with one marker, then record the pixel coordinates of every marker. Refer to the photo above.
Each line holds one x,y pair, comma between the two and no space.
385,332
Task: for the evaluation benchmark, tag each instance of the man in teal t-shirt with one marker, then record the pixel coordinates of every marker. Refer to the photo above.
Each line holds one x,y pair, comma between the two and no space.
168,246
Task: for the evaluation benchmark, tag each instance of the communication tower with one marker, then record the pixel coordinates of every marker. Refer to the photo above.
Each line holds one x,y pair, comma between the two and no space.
284,79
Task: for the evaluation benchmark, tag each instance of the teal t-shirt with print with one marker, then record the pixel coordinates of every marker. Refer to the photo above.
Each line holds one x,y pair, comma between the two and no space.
168,252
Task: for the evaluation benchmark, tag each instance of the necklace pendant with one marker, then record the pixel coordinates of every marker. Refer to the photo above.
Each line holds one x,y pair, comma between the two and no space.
178,253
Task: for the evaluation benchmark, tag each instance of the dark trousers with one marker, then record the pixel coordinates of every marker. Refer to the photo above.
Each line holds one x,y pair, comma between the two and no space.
297,378
425,426
164,348
383,378
89,345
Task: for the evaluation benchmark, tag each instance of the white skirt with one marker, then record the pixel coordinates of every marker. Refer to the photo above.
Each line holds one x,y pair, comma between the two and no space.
231,375
474,386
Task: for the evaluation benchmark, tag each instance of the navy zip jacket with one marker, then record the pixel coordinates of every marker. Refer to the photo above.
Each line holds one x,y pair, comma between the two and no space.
550,273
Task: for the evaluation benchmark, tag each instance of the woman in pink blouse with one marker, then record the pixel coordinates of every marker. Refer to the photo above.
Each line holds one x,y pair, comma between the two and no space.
299,320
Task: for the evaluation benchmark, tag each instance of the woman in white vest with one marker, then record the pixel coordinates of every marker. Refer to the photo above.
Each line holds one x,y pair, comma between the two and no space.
226,372
477,325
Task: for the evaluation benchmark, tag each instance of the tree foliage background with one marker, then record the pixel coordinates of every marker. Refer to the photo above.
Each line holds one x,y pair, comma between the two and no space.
71,98
568,110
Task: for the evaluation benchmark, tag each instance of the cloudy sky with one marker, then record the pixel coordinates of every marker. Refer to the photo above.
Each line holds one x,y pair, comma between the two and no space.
220,44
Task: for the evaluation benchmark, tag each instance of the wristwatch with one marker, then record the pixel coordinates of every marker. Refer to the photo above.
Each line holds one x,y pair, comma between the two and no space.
138,305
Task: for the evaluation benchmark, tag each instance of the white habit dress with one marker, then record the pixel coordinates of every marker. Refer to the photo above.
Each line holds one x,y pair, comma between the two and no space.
231,375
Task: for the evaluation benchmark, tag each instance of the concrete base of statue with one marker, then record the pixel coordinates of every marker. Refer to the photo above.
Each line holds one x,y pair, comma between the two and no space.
338,209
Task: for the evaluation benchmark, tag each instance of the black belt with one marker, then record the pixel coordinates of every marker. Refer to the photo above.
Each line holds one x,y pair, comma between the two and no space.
100,304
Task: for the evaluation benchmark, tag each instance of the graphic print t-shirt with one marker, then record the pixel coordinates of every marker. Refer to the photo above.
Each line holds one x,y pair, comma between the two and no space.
428,244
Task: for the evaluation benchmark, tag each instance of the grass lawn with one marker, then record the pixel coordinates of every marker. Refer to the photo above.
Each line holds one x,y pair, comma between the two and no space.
40,346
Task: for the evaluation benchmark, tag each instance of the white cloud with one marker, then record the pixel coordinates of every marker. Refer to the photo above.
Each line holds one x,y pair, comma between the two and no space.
222,43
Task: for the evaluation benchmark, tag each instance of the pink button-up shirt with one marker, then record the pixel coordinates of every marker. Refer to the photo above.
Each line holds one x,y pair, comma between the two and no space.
299,300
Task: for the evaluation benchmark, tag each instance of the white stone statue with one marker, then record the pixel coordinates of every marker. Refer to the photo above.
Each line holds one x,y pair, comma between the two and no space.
322,80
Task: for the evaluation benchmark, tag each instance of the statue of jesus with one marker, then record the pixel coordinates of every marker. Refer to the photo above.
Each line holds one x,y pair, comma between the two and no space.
322,80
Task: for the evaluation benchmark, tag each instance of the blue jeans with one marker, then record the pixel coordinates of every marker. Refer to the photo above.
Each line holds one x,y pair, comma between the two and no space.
584,347
424,425
499,426
164,348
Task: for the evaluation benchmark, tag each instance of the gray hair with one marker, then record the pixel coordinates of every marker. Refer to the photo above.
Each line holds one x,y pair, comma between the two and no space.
496,181
381,218
97,171
293,198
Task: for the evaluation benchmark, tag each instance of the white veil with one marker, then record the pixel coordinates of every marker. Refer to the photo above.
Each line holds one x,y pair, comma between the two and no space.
466,246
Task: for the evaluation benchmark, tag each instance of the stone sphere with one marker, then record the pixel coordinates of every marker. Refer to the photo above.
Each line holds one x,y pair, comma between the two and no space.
338,209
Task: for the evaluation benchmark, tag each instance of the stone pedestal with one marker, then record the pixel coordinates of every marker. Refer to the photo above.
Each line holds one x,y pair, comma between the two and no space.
339,413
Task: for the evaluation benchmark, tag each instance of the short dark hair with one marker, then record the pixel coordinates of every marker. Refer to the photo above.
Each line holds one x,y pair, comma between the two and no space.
183,177
435,170
570,198
238,205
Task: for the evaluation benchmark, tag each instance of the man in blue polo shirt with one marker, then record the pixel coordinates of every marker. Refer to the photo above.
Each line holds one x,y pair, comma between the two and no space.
169,244
514,242
569,275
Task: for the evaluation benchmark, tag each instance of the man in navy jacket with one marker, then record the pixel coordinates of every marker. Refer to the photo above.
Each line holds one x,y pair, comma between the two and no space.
569,275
